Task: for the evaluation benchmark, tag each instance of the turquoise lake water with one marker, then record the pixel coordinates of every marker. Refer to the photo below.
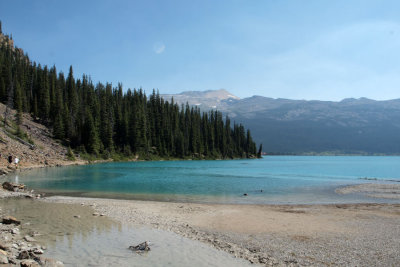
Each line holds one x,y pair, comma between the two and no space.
274,179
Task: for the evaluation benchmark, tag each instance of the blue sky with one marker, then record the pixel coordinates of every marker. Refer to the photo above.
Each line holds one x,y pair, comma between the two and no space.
327,50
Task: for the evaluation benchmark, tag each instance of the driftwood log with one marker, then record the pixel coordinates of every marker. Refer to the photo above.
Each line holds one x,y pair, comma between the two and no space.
141,247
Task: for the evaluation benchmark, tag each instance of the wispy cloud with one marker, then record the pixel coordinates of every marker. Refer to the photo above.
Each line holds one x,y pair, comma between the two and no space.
357,60
159,47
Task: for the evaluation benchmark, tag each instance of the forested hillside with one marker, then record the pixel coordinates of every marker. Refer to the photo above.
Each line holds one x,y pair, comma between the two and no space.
102,119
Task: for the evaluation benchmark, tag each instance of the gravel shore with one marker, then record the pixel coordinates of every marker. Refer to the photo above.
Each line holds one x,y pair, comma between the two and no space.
272,235
388,191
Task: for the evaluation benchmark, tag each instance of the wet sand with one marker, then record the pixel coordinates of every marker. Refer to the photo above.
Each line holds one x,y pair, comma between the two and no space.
77,236
338,235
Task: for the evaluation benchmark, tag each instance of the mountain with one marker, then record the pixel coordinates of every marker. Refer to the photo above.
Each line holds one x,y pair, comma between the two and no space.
210,99
350,126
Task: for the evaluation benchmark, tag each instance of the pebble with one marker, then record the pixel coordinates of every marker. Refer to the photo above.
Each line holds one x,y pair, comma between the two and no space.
29,238
38,251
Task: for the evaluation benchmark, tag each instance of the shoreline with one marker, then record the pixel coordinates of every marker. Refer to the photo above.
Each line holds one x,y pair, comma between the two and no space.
266,234
363,234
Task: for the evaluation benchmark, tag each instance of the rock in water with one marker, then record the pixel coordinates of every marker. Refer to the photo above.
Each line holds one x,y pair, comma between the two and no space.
10,220
141,247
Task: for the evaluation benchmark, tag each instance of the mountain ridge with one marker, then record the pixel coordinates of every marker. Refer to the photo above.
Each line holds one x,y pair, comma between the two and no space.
350,126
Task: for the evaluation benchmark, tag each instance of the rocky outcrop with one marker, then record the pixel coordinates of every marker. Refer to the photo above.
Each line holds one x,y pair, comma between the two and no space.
21,250
45,152
13,187
10,220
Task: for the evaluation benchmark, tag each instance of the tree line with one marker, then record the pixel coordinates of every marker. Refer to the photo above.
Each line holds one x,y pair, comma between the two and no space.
102,119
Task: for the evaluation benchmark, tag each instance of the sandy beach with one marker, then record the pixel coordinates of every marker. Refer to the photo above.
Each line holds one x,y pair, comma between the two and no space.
278,235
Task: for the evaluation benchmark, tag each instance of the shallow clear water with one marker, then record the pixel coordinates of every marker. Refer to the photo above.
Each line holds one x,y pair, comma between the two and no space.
274,179
100,241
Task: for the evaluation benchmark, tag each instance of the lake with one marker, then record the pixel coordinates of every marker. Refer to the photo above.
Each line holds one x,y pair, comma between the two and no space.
271,180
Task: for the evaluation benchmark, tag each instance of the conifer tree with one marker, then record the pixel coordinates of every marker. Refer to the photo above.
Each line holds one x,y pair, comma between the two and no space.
18,104
259,151
102,119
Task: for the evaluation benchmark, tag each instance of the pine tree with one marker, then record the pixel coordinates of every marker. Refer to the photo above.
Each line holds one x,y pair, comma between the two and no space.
18,104
103,119
93,143
44,97
259,152
3,91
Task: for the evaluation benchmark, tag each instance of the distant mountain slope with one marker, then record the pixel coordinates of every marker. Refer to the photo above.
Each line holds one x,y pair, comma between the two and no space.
210,99
359,126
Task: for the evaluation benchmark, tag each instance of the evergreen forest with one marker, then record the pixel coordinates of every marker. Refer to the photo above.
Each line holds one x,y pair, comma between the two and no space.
103,120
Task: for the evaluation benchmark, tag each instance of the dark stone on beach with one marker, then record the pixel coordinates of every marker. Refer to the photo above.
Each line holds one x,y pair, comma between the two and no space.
13,187
29,263
10,220
77,216
23,255
4,246
141,247
245,194
38,251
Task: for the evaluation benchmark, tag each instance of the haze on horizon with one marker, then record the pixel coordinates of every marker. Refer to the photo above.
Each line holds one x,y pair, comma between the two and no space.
325,50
